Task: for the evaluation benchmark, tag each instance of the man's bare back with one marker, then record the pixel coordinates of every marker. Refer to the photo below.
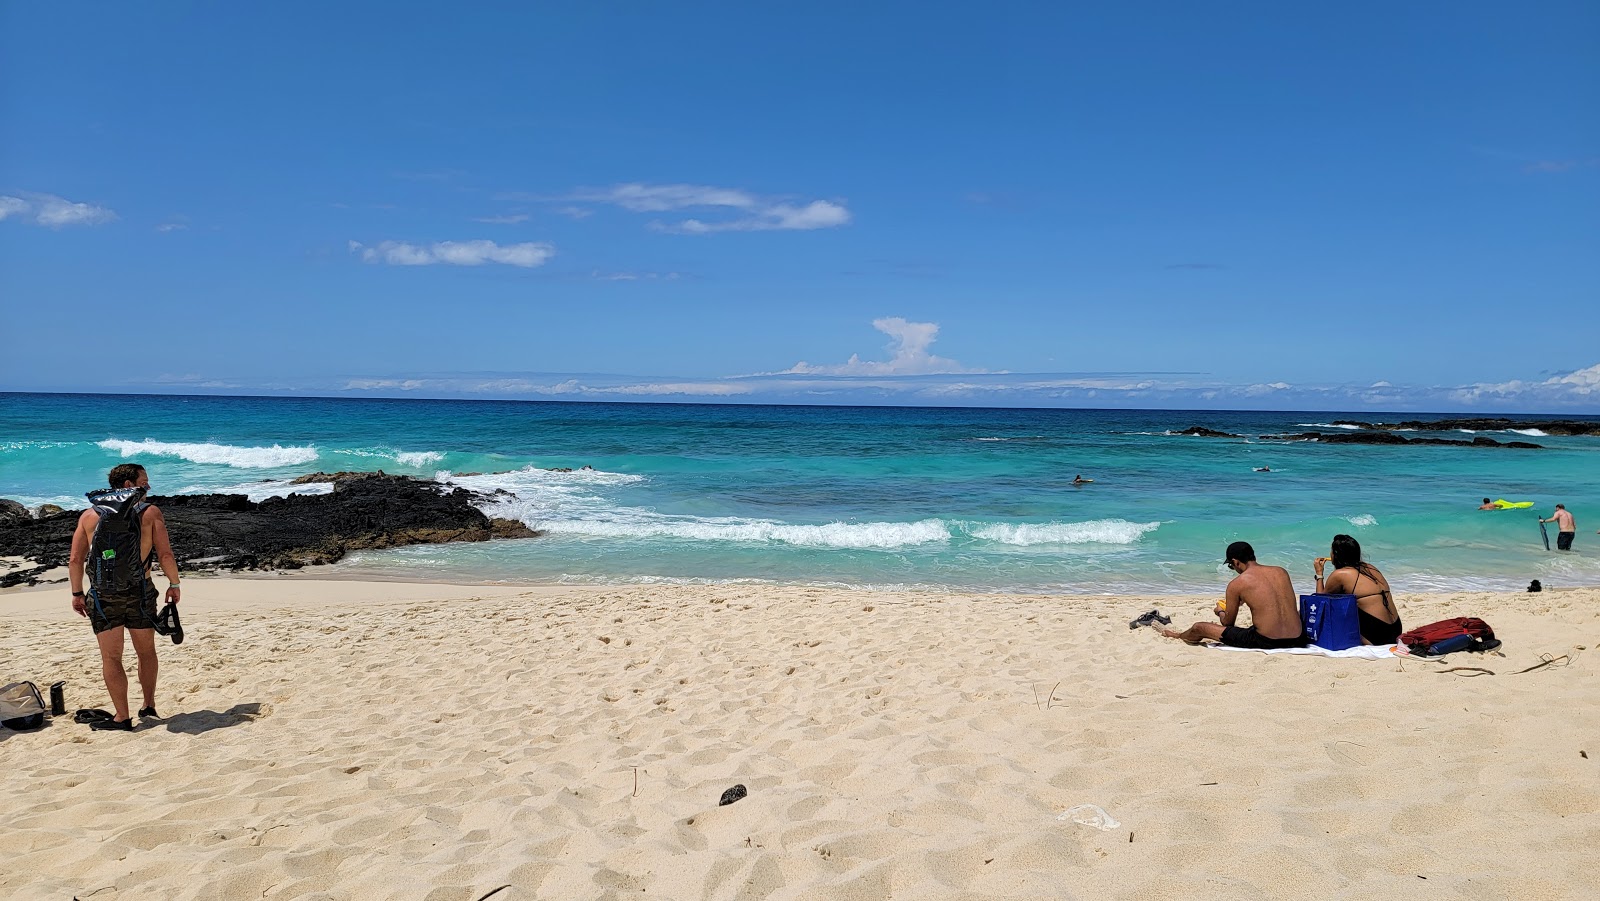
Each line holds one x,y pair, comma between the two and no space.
1267,591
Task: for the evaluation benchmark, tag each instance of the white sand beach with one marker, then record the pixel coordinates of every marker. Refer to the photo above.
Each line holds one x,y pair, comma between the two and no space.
327,739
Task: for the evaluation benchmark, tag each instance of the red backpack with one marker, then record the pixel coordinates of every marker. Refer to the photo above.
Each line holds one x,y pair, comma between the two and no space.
1464,633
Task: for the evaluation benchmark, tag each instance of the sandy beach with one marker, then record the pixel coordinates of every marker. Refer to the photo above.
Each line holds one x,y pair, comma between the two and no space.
326,739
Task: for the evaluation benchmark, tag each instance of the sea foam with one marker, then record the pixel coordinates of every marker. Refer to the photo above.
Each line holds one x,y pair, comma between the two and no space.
418,458
1362,519
861,536
1094,531
216,454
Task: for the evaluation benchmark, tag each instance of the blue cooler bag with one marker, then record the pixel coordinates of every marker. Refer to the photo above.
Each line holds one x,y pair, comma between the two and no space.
1330,620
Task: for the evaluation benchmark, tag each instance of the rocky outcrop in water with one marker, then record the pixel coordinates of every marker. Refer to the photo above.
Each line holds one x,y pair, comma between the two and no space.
232,532
1203,432
1391,438
1562,427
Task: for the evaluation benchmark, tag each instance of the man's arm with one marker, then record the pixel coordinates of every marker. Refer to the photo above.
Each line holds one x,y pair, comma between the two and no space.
76,564
163,545
1230,605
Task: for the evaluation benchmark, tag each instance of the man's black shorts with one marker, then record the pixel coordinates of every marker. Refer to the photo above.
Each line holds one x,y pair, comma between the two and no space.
1564,540
1250,638
123,610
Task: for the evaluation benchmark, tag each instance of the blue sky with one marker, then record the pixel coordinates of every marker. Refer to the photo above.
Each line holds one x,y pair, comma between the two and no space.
1238,205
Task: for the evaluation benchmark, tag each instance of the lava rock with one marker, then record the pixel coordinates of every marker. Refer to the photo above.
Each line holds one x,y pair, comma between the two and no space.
231,532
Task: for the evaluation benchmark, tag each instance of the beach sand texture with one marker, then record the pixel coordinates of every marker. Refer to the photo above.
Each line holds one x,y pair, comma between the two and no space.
358,740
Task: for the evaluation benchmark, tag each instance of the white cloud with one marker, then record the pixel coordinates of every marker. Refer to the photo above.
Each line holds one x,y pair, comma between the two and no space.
908,349
1578,386
632,276
755,213
168,227
455,253
1269,388
379,384
779,217
511,219
51,211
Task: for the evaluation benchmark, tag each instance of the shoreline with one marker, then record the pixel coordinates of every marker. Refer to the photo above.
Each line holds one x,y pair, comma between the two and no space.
367,739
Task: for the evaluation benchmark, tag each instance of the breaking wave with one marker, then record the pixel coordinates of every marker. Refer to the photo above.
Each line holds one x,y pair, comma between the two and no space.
1363,519
215,454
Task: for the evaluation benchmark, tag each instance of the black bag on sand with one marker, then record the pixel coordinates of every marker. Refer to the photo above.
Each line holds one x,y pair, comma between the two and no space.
21,706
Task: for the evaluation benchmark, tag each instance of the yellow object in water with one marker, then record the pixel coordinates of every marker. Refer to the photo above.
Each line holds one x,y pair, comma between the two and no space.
1503,504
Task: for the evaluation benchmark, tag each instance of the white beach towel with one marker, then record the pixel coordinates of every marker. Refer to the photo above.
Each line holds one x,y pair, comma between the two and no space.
1362,652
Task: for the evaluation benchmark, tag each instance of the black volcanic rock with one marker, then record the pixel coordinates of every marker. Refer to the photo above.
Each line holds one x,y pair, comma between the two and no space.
12,510
1391,438
1563,427
231,532
1204,432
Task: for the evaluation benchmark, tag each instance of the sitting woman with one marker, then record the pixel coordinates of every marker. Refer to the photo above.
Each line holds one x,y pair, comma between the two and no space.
1380,619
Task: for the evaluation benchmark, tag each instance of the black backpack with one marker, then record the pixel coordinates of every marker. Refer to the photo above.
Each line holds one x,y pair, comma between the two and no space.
116,564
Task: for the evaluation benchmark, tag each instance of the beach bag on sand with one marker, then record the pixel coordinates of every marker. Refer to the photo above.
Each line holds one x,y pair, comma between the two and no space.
116,565
1464,633
1330,620
21,706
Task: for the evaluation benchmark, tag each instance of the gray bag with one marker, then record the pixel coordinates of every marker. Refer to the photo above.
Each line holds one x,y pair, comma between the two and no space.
21,706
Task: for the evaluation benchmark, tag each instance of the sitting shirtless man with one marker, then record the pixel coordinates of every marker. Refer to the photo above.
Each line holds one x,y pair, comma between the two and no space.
1274,607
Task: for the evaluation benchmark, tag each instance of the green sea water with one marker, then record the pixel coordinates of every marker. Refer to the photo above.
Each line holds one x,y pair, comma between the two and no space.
971,499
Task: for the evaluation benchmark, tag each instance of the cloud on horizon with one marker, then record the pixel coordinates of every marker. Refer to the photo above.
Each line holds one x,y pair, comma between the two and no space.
454,253
908,354
51,211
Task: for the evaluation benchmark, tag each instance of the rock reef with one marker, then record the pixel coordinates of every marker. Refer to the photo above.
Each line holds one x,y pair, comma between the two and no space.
1392,438
232,532
1561,427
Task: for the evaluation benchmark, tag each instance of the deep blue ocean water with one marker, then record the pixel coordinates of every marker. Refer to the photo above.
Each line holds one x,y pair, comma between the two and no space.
972,499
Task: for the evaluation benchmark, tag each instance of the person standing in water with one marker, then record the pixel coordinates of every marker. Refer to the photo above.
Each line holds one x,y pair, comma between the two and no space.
1375,607
1566,527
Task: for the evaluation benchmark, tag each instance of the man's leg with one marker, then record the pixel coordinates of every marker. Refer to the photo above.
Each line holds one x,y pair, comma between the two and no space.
111,668
1197,633
144,645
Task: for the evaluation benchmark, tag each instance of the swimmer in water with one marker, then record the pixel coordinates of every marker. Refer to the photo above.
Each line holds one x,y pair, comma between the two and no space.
1080,480
1263,469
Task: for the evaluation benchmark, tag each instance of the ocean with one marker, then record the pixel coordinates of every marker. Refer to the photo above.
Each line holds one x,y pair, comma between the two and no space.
881,497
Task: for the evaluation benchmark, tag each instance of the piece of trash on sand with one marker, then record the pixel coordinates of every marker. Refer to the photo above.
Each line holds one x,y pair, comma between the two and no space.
1090,815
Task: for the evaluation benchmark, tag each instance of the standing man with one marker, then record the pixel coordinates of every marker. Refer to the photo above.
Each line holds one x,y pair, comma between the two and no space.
1268,592
1566,527
111,611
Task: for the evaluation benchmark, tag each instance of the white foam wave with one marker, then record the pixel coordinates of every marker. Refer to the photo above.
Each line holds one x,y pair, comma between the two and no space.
215,454
1531,433
645,524
418,458
532,478
1017,438
1330,425
860,536
260,491
1468,431
1094,531
1362,519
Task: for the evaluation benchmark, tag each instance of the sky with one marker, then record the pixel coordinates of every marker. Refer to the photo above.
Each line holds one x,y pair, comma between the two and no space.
1236,205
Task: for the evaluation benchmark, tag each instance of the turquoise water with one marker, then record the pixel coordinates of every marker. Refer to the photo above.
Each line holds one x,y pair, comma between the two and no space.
973,499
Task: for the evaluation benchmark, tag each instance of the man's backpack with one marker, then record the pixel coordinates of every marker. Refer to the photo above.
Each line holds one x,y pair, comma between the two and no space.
116,560
1464,633
21,706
